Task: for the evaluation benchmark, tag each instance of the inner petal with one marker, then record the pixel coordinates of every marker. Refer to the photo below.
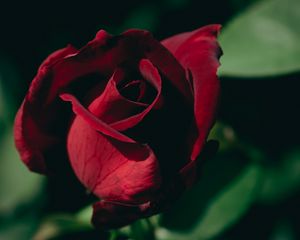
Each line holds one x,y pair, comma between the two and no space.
133,90
111,106
139,91
152,76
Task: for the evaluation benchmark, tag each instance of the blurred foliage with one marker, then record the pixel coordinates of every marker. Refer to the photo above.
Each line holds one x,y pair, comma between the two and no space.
61,224
223,210
21,228
264,40
234,177
282,179
17,184
249,190
8,79
20,190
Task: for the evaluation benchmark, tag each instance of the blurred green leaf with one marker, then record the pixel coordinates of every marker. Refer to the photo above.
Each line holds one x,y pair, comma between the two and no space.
17,184
21,228
262,41
225,135
144,17
8,81
85,214
60,224
2,122
282,180
142,230
222,211
283,231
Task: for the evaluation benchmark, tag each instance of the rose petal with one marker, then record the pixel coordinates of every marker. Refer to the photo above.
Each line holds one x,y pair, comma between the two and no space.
30,139
108,215
57,55
111,169
198,52
111,106
92,120
150,74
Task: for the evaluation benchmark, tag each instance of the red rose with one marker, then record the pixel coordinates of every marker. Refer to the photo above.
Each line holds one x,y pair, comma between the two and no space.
130,113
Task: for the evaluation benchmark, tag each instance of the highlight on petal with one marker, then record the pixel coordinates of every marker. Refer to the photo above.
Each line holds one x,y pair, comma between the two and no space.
175,42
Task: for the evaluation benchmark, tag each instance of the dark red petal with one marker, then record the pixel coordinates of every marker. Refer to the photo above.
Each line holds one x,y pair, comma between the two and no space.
150,73
198,52
192,172
57,55
30,140
111,169
94,57
175,42
25,135
108,215
172,43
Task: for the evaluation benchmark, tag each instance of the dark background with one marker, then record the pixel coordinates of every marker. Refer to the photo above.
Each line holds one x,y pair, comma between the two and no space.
264,112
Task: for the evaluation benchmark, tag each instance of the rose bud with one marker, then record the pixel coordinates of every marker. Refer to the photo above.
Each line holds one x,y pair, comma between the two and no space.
130,115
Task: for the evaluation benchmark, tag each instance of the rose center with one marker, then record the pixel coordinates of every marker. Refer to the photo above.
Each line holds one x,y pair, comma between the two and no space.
137,91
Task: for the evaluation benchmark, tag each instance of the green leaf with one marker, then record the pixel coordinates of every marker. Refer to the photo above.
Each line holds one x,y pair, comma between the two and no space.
222,211
85,215
21,228
17,184
262,41
142,230
282,180
9,78
284,230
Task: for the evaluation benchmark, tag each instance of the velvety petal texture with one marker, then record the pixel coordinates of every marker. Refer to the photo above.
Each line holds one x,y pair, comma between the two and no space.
30,137
129,115
199,52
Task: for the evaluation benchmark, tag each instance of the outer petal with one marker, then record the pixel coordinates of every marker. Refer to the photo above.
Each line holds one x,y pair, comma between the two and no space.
40,123
29,138
113,170
114,215
198,52
109,214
